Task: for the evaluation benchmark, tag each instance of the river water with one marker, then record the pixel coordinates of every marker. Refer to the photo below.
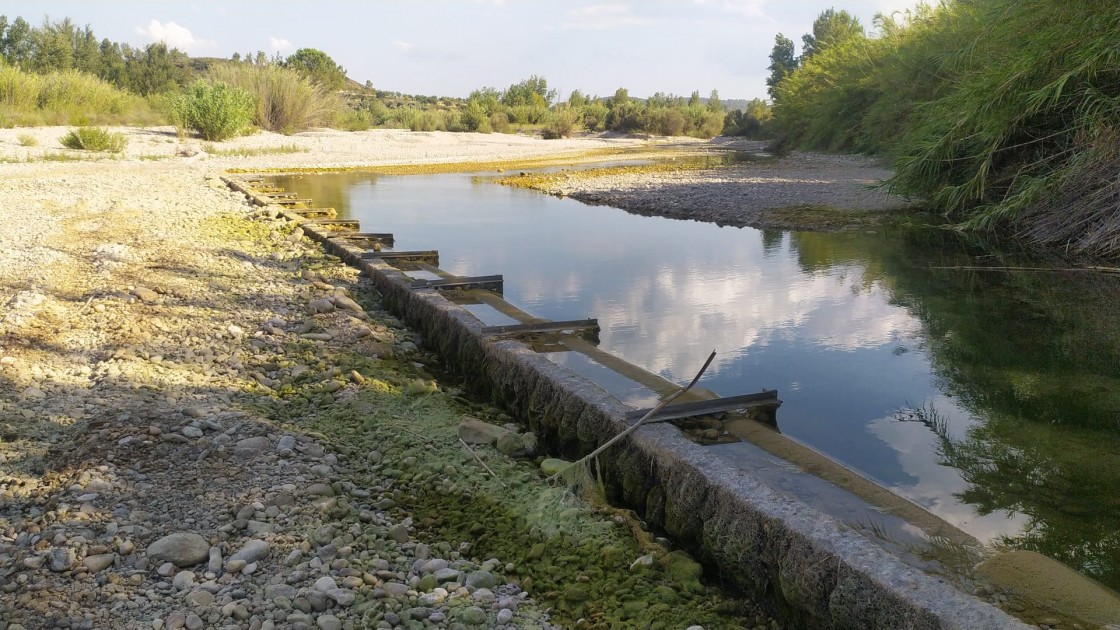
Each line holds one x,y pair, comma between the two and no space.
989,397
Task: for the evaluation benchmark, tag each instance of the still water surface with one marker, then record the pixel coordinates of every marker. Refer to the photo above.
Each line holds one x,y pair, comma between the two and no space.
990,398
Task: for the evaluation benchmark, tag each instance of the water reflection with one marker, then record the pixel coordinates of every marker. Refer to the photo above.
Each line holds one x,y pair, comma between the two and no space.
991,399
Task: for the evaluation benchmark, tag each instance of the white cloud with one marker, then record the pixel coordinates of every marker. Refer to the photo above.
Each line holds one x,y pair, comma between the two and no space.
279,44
174,36
601,17
404,46
746,8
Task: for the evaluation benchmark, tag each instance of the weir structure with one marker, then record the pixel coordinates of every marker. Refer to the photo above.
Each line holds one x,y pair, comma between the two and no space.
803,557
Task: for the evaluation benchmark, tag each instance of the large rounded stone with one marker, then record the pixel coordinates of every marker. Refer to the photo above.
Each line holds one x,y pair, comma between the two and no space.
251,447
183,549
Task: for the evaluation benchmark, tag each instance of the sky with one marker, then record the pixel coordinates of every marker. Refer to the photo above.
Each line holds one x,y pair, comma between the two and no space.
451,47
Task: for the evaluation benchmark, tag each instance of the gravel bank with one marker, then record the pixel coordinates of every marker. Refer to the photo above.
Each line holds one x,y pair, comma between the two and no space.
205,423
798,191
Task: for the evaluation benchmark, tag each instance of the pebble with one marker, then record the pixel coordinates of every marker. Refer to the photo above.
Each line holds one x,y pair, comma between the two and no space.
183,549
99,562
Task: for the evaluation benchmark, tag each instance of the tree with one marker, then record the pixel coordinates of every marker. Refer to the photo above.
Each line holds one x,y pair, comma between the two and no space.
53,46
17,44
317,66
714,104
783,61
236,57
155,69
830,28
87,54
694,100
532,92
577,99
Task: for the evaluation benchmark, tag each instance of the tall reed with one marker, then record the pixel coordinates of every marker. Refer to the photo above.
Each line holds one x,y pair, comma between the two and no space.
286,102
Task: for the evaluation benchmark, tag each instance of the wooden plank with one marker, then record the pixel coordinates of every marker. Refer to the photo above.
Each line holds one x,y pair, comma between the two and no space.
280,195
370,237
293,201
337,224
767,398
428,256
314,212
541,327
489,283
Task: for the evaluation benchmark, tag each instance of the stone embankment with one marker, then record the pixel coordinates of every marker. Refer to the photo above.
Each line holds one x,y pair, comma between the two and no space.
207,423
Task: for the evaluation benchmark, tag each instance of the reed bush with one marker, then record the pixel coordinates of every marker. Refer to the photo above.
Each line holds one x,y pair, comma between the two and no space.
1004,114
70,97
94,139
286,101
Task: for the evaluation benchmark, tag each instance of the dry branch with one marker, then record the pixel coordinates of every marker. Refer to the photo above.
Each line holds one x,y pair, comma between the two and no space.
634,427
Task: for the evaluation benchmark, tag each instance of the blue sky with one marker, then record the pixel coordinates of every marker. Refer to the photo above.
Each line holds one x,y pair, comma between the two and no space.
450,47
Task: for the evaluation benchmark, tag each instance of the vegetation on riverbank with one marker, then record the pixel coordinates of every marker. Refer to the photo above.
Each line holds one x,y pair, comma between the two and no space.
309,89
1013,130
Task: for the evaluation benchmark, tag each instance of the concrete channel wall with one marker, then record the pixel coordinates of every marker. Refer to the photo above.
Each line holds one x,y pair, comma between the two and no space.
816,572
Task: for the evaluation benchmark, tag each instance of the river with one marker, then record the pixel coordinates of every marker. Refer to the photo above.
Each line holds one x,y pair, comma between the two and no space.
989,397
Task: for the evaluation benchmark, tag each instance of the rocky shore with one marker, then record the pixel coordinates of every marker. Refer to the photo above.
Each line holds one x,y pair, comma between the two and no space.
205,422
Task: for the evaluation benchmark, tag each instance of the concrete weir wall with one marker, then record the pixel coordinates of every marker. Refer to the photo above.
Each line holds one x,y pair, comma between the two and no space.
772,546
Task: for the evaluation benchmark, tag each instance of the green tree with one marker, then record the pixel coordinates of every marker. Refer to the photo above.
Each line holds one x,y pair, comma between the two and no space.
111,57
87,53
694,100
532,92
17,44
783,61
155,68
317,66
577,99
53,46
714,104
830,28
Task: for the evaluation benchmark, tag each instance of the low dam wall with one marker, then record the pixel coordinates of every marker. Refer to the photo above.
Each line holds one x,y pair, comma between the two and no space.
776,548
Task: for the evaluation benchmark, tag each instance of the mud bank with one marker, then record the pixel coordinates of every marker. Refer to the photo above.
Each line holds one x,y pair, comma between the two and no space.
819,573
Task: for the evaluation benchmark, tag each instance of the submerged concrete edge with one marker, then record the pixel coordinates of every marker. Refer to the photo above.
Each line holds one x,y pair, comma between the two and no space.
763,541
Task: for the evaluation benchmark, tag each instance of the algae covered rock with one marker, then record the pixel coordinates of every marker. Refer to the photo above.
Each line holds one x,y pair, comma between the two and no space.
513,444
552,466
475,431
685,571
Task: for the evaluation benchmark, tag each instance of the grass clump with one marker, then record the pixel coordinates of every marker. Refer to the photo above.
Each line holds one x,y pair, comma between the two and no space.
251,152
217,111
27,140
94,139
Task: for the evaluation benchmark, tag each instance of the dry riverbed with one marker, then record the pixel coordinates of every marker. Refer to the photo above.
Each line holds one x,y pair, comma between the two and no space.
207,423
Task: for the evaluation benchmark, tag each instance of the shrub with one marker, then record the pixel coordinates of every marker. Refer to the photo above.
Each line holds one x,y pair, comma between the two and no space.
28,140
94,139
216,111
561,123
499,122
664,121
287,102
353,120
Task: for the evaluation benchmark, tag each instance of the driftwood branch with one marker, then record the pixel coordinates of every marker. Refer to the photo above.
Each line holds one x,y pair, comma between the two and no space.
634,427
482,463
